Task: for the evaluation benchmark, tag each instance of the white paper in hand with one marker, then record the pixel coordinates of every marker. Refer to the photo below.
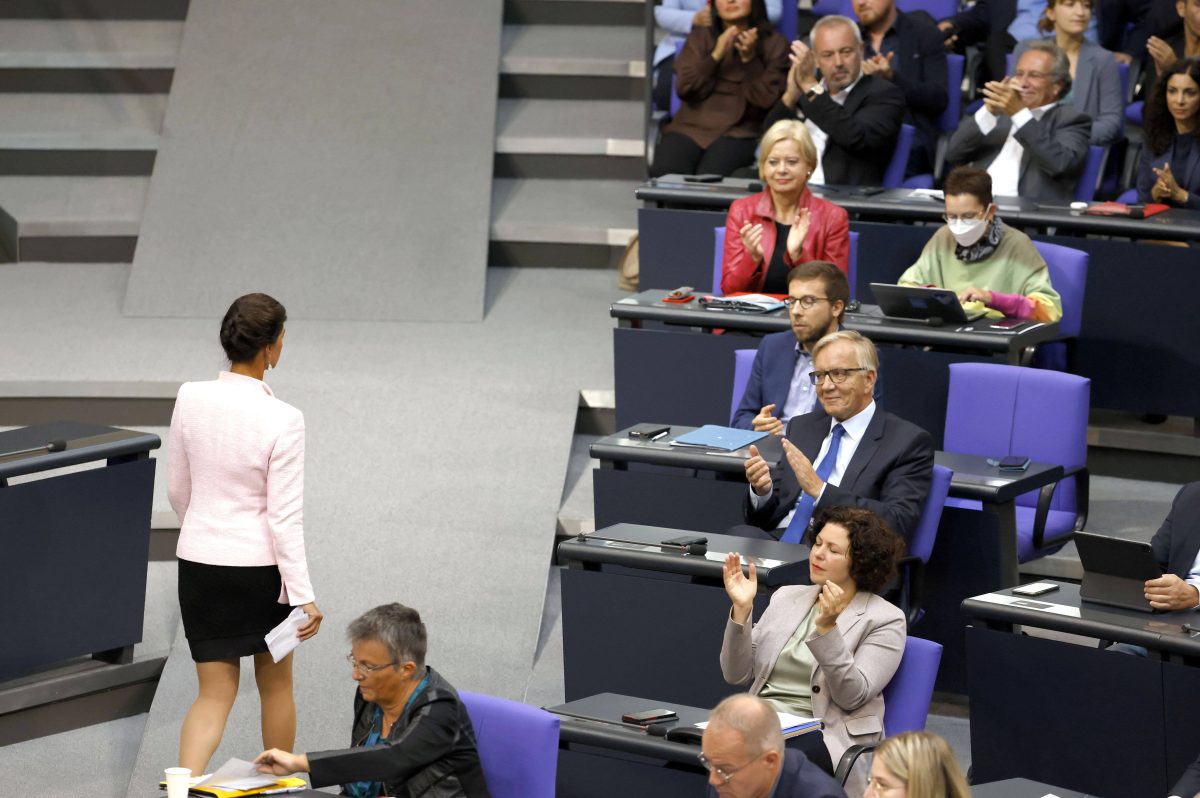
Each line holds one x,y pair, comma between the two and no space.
238,774
284,637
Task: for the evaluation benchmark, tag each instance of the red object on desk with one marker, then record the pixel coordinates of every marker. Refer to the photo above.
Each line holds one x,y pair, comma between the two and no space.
1121,209
678,300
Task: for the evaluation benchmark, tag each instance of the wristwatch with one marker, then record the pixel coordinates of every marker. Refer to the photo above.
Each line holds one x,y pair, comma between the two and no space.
814,92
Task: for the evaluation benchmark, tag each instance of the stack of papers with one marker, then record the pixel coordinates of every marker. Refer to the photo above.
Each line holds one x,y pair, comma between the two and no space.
237,777
711,436
755,303
791,725
284,637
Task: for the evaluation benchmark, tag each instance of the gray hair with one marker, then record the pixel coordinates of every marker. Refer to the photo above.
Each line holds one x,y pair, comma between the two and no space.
835,19
399,628
751,717
867,357
1060,73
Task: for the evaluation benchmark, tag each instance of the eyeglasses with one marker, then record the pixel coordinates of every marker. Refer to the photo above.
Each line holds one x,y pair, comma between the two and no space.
804,302
355,665
723,775
966,217
837,375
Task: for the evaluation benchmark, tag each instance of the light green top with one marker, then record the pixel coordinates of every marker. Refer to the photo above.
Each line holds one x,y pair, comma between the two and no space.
1015,269
789,687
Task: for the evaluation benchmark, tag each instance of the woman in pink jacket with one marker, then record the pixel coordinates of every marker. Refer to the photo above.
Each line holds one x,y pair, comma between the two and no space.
236,479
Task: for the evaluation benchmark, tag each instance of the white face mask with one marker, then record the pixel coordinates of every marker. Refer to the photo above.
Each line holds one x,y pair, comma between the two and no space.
967,233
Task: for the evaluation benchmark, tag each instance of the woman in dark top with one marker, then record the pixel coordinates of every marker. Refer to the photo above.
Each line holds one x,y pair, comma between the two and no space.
728,76
768,233
1170,168
412,736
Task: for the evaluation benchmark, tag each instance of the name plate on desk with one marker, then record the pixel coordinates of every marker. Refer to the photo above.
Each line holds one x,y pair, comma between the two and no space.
1029,604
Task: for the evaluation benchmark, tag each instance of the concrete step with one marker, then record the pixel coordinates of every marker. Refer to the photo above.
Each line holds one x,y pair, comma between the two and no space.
79,134
615,51
71,219
570,127
88,56
587,212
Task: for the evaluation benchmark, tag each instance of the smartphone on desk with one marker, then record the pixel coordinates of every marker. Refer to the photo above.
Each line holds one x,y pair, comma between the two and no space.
649,716
1035,589
1009,464
1006,324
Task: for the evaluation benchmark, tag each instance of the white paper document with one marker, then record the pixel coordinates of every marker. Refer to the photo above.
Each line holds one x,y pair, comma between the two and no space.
786,721
283,638
238,774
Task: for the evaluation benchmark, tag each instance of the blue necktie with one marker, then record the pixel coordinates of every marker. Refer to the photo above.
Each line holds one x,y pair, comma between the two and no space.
804,507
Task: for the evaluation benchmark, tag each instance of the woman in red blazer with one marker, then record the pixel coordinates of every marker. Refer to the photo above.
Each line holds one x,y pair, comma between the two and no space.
766,234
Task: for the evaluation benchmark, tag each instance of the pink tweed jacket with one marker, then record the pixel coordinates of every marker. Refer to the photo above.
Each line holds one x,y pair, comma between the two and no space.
235,477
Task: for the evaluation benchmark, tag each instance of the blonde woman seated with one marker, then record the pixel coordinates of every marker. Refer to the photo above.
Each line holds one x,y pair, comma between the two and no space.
828,649
916,764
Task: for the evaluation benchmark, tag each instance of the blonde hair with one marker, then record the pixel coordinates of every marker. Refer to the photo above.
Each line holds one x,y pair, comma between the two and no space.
864,349
926,765
786,130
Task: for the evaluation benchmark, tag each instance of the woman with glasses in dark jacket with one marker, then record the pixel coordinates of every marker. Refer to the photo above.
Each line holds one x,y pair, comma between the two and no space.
412,736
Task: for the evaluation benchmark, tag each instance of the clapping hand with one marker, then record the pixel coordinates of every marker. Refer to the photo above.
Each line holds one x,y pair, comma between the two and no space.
799,232
766,422
946,26
725,41
1002,97
803,74
752,240
745,44
880,65
830,601
702,19
740,588
802,467
758,473
1166,187
1162,54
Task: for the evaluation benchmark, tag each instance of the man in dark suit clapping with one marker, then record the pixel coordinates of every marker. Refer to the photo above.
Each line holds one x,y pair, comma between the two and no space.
851,454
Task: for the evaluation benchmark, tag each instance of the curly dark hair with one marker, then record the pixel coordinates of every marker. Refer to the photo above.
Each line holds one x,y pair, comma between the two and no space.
758,18
1160,125
875,549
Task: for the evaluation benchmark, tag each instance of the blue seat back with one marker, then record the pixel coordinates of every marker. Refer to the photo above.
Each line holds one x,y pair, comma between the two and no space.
893,176
925,532
906,697
1128,196
743,364
675,101
1068,274
994,411
1089,178
718,259
948,121
518,746
852,264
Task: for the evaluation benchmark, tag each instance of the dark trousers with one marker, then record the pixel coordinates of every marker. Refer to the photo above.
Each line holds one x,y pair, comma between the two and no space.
676,154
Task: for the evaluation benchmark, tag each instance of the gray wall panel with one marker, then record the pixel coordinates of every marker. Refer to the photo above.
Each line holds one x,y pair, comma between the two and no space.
335,153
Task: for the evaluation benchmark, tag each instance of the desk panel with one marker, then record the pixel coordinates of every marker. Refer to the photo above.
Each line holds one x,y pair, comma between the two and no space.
1181,700
1065,714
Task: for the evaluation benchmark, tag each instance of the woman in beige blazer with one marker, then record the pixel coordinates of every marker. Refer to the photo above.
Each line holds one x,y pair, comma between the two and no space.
828,649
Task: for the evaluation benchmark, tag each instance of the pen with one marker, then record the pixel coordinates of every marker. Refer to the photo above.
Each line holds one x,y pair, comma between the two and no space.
662,434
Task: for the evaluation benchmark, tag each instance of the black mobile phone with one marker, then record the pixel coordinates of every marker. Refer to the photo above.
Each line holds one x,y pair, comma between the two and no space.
686,540
1011,463
648,432
705,178
1006,324
649,716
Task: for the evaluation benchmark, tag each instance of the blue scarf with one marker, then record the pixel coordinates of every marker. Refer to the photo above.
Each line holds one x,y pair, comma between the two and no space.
372,789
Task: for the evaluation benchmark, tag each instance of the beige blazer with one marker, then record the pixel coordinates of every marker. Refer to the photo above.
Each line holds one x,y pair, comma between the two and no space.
855,660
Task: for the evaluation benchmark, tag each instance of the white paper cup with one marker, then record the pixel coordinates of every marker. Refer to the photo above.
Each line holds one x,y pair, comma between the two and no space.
177,782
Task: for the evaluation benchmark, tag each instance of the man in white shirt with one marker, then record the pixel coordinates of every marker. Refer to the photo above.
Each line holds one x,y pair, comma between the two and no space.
851,454
853,118
1029,143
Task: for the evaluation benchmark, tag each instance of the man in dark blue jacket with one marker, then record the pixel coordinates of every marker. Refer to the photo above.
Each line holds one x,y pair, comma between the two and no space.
743,739
779,387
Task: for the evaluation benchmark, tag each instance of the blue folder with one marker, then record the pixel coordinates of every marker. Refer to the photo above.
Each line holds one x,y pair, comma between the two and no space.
711,436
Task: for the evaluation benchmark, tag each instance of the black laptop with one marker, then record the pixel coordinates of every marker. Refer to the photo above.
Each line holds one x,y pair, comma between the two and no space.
913,302
1115,571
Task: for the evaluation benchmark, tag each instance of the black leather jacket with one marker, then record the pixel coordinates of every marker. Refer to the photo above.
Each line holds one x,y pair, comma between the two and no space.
428,753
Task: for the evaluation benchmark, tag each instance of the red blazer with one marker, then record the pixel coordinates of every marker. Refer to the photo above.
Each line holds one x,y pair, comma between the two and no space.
828,239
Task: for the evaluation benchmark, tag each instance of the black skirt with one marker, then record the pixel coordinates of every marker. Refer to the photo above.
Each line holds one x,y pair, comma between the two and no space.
228,610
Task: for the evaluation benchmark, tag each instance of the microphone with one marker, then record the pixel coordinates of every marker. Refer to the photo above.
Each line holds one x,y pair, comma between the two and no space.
52,446
695,549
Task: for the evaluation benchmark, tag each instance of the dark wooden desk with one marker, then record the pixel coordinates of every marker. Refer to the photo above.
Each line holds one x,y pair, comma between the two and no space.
1021,788
1136,316
668,364
75,544
640,620
600,757
652,482
1102,722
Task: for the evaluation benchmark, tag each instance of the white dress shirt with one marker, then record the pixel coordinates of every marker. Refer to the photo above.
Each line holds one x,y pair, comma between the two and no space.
1006,168
802,394
820,137
854,428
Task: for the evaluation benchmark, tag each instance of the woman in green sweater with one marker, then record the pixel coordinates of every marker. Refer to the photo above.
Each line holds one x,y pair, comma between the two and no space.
982,259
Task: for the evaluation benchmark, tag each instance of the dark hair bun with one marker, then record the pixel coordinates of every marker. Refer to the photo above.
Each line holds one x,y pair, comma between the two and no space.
252,322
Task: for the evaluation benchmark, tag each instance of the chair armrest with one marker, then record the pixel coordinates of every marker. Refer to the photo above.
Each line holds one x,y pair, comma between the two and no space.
849,757
1083,491
1046,496
912,592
